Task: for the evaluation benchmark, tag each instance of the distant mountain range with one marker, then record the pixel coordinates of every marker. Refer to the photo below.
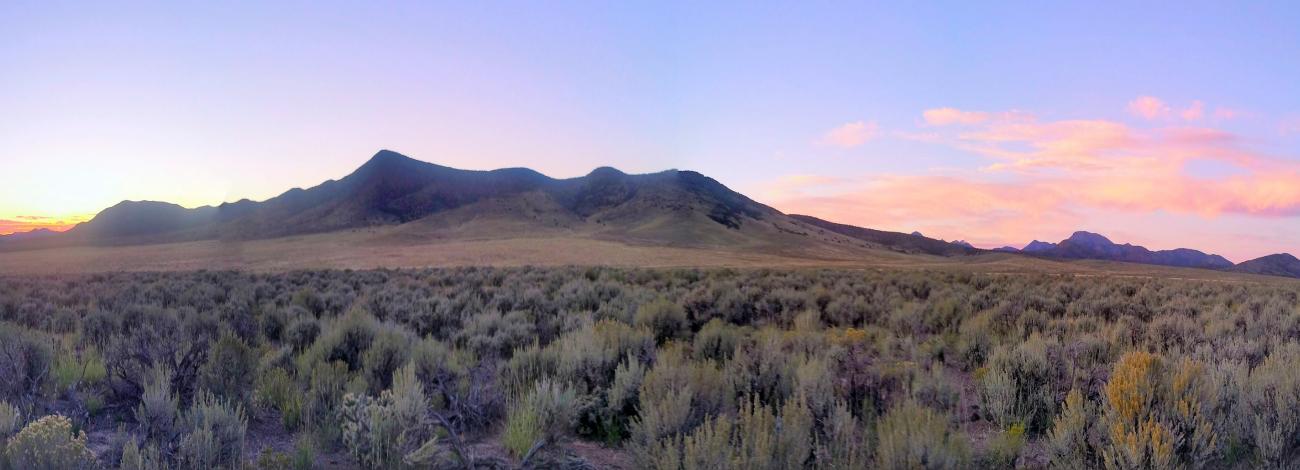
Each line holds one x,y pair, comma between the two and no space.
425,201
679,208
1088,245
1281,264
906,243
33,234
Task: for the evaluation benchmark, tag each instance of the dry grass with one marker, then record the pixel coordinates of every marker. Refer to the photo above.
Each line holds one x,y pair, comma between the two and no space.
395,247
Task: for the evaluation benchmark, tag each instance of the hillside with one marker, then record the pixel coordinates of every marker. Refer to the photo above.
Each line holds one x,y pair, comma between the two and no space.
1088,245
1281,264
907,243
426,202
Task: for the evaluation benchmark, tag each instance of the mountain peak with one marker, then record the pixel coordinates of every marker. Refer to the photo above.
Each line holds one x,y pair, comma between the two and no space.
1090,238
389,159
1279,264
606,172
1036,246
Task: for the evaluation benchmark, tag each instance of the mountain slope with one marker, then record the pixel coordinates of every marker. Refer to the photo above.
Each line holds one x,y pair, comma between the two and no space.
1087,245
428,201
907,243
1281,264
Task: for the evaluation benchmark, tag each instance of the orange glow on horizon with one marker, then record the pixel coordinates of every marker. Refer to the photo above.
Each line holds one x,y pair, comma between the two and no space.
26,223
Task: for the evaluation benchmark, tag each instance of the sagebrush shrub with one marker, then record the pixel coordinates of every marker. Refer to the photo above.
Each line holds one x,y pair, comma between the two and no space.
666,318
1071,441
230,369
539,418
49,444
380,432
28,358
11,420
214,437
911,436
158,412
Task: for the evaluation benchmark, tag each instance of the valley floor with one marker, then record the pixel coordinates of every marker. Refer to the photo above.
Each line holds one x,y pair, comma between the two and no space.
386,247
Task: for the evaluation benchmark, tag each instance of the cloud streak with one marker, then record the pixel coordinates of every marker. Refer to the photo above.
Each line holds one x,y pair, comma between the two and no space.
850,135
1037,176
27,223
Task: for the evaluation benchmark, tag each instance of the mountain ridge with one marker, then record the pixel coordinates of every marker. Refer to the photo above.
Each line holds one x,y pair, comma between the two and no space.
671,207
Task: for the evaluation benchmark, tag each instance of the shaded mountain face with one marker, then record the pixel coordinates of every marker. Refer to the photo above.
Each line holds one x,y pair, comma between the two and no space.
1281,264
1087,245
33,234
391,188
1007,249
907,243
1037,246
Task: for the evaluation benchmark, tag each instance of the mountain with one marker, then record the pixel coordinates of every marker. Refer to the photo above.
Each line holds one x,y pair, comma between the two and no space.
1037,246
1088,245
907,243
424,201
1281,264
962,243
1007,249
33,234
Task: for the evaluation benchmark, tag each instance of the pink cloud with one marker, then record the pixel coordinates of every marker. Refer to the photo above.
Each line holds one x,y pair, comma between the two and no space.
948,116
1224,114
850,135
1148,107
1194,112
1289,126
1041,175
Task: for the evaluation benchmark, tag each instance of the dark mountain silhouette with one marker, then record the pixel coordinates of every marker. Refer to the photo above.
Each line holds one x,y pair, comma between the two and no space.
670,207
419,201
33,234
907,243
1088,245
962,243
1037,246
1281,264
1007,249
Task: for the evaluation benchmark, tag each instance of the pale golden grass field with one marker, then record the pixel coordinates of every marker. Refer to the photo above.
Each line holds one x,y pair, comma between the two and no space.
383,248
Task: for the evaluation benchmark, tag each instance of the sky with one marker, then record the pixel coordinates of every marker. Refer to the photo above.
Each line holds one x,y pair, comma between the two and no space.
1161,124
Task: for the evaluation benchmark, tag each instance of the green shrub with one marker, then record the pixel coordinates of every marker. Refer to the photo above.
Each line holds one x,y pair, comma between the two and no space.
158,413
304,453
717,340
230,369
1071,442
937,389
275,389
270,459
11,420
678,394
386,354
667,319
28,358
215,434
302,332
1271,395
547,412
72,369
1020,384
320,408
49,443
346,340
380,432
844,443
1004,448
134,458
912,436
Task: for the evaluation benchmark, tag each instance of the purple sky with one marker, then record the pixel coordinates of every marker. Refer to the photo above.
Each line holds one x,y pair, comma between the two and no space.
1161,125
